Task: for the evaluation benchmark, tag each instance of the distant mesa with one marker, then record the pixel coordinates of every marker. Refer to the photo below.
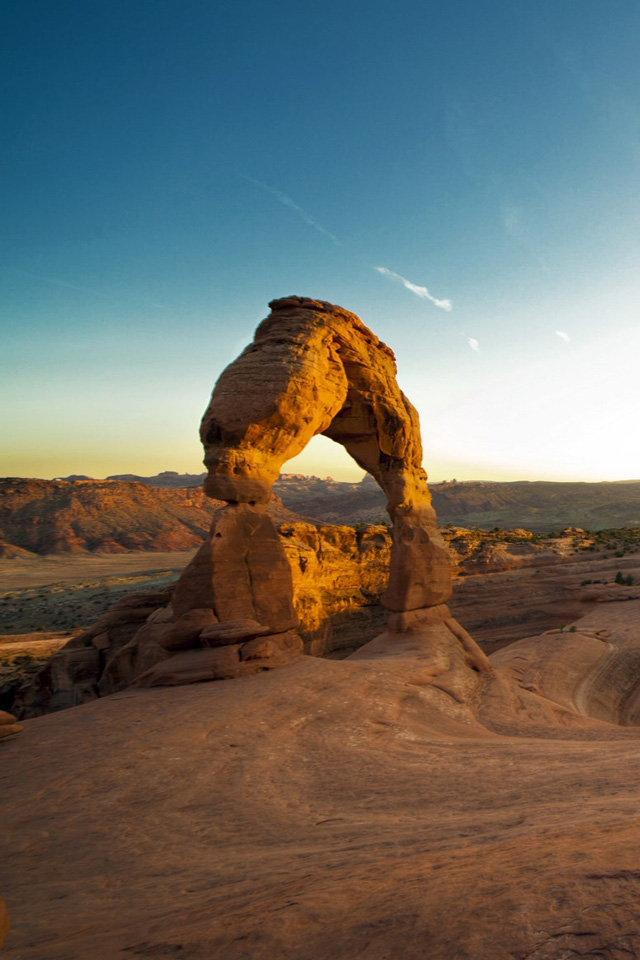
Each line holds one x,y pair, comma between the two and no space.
74,477
168,478
541,506
8,551
105,516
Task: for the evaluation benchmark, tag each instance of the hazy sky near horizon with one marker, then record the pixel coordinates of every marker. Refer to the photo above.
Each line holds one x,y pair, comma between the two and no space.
463,176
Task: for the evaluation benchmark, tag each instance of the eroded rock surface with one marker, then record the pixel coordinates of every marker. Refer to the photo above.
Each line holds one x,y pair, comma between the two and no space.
326,809
337,573
313,368
8,725
591,668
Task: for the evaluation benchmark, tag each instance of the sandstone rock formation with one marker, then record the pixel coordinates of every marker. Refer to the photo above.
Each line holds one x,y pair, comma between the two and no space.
8,725
313,368
331,810
338,575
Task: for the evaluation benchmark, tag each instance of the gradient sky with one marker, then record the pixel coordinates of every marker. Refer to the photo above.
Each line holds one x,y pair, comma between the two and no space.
464,176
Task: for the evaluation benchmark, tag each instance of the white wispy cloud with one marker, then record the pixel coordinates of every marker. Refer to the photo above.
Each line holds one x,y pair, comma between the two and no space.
473,343
288,202
421,292
563,336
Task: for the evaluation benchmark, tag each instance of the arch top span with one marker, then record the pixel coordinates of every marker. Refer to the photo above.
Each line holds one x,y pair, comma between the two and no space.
312,368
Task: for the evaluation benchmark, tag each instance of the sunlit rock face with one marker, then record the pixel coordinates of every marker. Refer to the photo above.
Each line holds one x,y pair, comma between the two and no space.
312,368
315,368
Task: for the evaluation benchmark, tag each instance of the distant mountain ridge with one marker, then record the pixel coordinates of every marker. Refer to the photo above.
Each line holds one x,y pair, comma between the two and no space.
540,506
170,511
168,478
105,516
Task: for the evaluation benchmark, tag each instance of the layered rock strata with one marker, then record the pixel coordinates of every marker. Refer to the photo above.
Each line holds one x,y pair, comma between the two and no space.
338,575
312,368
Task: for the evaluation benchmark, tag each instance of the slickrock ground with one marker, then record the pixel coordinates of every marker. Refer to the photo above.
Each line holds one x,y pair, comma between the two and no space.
322,811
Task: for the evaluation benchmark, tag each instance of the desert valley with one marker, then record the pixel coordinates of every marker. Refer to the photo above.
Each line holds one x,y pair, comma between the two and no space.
319,610
293,718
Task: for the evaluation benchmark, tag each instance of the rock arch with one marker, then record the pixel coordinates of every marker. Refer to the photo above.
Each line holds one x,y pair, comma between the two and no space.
312,368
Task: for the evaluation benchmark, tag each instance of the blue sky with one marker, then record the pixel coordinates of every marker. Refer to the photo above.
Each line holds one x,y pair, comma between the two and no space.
169,167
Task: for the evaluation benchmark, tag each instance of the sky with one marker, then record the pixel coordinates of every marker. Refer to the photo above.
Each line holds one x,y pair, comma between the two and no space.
464,176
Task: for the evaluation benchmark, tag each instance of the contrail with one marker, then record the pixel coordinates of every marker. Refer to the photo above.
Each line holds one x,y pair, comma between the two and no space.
54,281
288,202
421,292
76,286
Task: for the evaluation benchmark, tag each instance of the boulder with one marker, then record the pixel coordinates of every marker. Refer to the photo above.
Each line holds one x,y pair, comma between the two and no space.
232,631
8,726
185,632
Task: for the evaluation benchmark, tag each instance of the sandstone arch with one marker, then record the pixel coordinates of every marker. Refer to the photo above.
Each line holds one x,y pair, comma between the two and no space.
312,368
316,368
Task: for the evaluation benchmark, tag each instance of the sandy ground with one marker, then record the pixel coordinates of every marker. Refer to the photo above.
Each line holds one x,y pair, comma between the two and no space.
324,811
19,573
67,593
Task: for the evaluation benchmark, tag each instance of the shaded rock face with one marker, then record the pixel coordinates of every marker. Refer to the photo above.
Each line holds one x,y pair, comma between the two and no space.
313,368
338,575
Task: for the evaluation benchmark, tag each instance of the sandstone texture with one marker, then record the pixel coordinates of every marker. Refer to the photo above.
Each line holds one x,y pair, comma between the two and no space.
337,576
8,724
330,809
313,368
508,586
591,668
